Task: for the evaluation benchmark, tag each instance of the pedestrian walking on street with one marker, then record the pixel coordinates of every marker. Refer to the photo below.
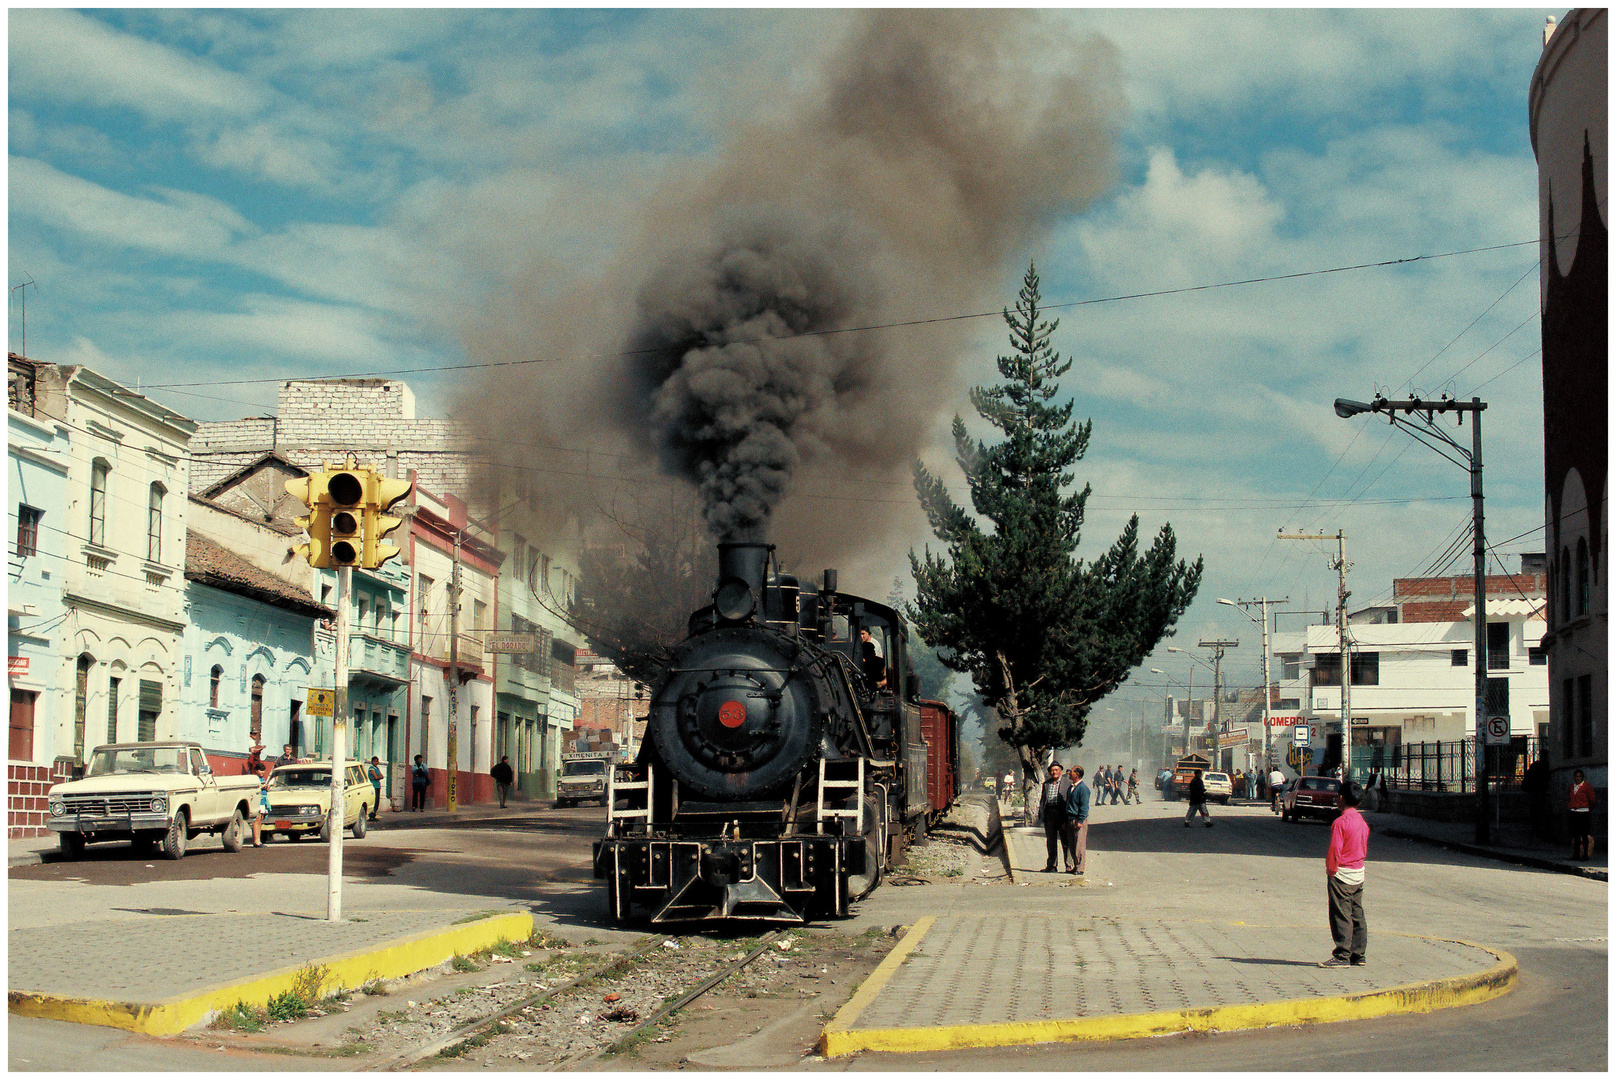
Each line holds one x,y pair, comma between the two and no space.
261,805
1052,807
1077,823
1197,800
1580,809
1133,788
504,778
419,780
1116,785
374,771
1344,873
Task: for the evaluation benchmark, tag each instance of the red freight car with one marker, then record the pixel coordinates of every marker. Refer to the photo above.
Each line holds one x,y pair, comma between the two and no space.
940,728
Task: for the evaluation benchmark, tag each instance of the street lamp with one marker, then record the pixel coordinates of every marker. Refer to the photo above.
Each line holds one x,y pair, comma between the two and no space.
1239,605
1422,429
1189,703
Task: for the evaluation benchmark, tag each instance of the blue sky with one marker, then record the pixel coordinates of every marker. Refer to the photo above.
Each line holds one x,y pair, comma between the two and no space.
207,196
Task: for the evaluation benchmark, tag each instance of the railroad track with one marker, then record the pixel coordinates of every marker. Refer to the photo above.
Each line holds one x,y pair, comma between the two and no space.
470,1031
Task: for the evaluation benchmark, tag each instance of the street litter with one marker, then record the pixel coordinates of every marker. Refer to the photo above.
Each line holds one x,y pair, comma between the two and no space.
670,944
622,1013
784,944
609,998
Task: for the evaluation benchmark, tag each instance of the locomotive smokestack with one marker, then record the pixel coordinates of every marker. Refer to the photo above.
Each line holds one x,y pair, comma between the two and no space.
830,581
741,570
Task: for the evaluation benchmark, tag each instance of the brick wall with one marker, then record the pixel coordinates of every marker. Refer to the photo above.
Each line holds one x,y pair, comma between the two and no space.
1435,611
26,808
1444,599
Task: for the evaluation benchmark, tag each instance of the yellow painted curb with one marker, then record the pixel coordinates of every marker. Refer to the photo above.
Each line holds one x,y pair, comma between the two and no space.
838,1041
348,971
847,1014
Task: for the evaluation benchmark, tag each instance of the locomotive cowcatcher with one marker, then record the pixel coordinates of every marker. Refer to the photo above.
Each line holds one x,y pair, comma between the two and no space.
787,757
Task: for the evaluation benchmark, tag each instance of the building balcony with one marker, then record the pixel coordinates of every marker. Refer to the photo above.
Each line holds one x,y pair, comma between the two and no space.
378,658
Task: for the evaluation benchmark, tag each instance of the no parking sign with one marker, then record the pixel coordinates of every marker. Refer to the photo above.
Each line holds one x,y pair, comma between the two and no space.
1498,731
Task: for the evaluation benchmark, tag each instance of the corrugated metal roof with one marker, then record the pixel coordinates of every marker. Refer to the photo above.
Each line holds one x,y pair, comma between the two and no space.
1509,607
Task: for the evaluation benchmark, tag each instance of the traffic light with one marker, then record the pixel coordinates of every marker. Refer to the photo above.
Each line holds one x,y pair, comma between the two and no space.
383,492
311,492
347,491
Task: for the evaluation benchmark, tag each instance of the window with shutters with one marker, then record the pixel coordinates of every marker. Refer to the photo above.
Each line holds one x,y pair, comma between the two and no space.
151,707
22,724
112,709
1585,716
99,472
215,677
563,657
81,704
154,524
1582,576
257,723
28,530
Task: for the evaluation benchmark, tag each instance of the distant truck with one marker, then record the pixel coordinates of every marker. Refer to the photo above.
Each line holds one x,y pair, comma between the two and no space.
1184,770
586,754
150,793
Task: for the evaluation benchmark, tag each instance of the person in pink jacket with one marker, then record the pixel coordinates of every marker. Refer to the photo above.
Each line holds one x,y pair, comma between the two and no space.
1344,872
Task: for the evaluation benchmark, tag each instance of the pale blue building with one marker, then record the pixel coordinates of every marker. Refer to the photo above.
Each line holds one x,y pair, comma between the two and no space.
248,650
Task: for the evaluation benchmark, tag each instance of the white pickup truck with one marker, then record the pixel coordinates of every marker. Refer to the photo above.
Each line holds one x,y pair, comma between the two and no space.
149,793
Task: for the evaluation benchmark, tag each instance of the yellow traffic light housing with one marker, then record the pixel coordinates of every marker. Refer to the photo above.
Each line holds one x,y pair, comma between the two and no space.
311,492
382,494
347,489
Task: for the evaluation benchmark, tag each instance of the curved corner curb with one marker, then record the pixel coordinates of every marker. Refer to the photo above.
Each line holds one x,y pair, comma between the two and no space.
834,1041
348,970
1470,989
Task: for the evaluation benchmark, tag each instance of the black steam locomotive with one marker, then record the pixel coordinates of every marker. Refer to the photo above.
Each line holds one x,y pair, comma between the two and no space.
787,757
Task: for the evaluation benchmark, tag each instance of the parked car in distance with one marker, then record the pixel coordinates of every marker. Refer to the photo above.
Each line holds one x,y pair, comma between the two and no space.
1311,796
1218,786
300,801
150,793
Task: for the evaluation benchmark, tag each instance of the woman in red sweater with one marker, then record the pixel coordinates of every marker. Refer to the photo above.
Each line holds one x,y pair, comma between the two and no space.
1580,809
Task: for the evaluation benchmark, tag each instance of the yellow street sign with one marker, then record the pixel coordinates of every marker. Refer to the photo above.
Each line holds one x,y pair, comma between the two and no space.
321,702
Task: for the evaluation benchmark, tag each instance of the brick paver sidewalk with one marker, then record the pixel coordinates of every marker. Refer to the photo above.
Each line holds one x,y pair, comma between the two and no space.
986,970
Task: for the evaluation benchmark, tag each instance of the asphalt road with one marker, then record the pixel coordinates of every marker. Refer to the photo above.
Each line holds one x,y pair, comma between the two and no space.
1250,866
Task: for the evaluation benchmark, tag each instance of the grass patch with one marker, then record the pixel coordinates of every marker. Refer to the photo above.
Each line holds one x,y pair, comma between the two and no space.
482,1038
241,1017
463,963
476,916
391,1016
374,987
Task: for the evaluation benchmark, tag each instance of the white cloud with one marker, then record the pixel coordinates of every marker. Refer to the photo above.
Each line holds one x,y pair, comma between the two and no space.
71,58
275,326
187,224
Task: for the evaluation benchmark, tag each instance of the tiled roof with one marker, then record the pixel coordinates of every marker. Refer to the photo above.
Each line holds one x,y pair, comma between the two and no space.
208,563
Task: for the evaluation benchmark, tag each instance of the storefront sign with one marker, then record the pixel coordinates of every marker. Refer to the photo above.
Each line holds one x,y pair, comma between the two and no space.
17,666
511,643
1284,721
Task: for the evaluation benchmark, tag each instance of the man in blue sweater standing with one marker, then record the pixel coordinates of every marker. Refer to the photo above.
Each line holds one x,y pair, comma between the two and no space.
1077,822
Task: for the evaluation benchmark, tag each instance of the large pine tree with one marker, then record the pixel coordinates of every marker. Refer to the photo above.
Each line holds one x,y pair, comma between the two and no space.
1043,635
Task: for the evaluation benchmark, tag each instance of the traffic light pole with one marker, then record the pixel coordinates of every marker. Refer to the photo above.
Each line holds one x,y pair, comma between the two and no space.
339,752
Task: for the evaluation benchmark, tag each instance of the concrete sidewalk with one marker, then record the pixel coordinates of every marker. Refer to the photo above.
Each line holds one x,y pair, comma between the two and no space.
160,974
967,981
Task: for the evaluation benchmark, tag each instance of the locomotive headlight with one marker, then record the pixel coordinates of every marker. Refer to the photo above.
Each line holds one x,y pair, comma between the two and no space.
733,600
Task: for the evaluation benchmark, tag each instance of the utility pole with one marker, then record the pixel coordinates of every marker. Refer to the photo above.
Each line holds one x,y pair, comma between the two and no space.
454,675
1267,696
1424,428
1217,648
1340,566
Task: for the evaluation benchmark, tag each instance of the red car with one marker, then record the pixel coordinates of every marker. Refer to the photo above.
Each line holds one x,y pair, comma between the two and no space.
1311,796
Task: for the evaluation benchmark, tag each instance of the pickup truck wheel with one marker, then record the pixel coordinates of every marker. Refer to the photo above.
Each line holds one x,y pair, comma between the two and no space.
71,844
233,831
174,842
359,826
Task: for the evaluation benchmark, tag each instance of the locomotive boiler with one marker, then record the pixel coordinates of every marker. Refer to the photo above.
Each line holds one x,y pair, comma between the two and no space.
787,757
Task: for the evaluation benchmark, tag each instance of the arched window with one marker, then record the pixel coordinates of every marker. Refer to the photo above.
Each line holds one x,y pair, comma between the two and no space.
1582,575
154,524
1565,585
257,725
99,471
214,678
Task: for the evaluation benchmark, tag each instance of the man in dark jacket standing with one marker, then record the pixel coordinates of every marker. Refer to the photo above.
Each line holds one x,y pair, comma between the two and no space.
1077,823
1052,805
504,778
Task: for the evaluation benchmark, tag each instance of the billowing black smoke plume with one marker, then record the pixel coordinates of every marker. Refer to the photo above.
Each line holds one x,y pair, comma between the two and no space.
911,179
739,379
